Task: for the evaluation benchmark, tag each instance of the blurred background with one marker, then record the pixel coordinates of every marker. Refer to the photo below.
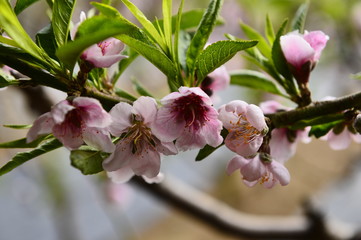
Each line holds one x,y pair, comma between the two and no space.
48,199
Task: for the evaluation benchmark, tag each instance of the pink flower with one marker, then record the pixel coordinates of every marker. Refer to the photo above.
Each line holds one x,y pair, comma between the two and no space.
138,150
74,122
302,51
246,126
188,117
283,141
255,170
341,140
104,54
217,80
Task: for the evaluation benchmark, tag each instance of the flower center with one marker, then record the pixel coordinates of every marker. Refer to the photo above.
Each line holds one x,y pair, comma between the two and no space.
103,46
243,129
140,136
192,109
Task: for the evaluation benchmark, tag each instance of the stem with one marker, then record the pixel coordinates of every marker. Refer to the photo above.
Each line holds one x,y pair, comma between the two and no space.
316,109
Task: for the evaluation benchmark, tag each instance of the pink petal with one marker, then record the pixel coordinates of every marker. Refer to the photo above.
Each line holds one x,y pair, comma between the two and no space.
236,163
121,114
69,136
42,125
147,162
104,61
238,145
93,113
211,131
271,106
280,172
253,170
157,179
166,148
113,46
340,141
147,108
59,111
122,175
99,139
120,157
227,118
221,78
166,127
296,49
255,117
317,40
237,106
189,140
198,91
281,148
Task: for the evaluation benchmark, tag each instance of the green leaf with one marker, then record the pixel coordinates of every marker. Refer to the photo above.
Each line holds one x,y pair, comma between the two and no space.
278,58
155,56
46,40
21,143
189,19
270,34
203,31
23,157
255,80
318,121
91,31
106,9
62,12
88,162
322,129
217,54
148,26
18,126
298,22
167,21
12,26
140,89
4,82
22,5
124,95
262,45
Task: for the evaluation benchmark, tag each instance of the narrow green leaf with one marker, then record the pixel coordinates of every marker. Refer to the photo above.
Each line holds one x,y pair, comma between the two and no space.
203,31
21,5
270,34
322,129
148,26
140,89
298,22
21,143
255,80
217,54
262,45
23,157
167,21
46,40
278,58
91,31
12,26
154,55
18,126
189,19
124,94
106,9
62,12
338,117
88,162
8,41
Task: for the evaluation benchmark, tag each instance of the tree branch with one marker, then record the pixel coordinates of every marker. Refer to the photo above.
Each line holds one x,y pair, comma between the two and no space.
316,109
230,221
